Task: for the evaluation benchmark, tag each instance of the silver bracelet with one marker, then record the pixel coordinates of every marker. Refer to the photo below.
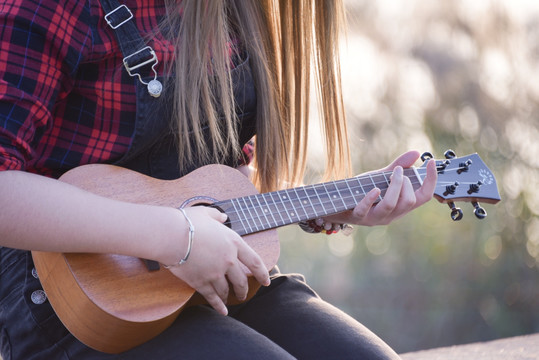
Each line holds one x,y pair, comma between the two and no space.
190,244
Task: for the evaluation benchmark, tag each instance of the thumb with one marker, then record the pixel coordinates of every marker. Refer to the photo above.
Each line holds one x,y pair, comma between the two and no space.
217,215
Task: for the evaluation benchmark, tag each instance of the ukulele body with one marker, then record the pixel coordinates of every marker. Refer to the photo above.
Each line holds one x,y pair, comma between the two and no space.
113,302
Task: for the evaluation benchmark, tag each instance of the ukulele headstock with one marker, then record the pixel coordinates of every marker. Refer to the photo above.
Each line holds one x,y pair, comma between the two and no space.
465,178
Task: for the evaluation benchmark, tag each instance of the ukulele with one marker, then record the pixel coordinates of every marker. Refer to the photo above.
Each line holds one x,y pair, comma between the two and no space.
113,303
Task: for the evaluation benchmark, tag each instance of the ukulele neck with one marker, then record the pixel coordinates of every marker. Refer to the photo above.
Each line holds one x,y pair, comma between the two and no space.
254,213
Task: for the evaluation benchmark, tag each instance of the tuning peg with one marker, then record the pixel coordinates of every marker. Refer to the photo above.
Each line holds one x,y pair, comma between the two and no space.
479,212
450,154
456,213
441,165
475,187
450,189
426,156
463,167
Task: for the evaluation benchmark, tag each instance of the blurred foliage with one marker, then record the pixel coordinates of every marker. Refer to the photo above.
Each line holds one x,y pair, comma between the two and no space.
432,76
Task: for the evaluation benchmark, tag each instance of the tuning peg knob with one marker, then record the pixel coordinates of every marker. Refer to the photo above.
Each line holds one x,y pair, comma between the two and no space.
450,154
426,156
456,213
479,212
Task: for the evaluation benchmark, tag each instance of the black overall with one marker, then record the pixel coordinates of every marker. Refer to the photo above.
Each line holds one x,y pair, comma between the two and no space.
285,320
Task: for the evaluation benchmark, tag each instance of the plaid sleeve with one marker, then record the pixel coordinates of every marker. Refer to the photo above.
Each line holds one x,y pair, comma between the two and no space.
42,43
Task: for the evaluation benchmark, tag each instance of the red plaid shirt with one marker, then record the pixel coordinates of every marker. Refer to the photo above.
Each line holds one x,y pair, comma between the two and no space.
65,98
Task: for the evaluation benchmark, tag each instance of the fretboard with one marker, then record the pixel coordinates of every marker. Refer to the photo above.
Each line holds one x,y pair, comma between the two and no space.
254,213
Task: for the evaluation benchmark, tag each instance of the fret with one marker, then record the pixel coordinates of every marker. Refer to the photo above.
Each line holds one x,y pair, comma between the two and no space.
354,193
327,193
265,212
345,194
358,191
292,198
241,218
244,216
311,196
256,219
301,202
272,208
320,202
284,199
339,195
249,216
332,196
365,188
269,210
387,182
414,177
375,186
277,209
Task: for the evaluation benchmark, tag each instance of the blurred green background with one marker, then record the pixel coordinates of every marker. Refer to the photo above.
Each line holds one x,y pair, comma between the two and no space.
431,76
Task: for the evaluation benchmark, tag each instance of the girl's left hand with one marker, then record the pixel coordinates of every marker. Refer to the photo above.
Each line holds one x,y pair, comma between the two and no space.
400,197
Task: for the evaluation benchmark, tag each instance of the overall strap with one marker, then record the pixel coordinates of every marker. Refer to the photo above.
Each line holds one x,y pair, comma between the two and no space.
135,51
136,55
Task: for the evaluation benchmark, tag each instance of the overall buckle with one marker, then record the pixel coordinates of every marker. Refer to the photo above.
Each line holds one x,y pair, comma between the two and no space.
124,15
154,86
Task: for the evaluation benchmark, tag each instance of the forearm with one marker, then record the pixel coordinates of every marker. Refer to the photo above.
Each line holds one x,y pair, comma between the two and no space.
38,213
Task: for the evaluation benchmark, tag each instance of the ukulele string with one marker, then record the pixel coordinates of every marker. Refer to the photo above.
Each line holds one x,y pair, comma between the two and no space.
284,215
323,198
422,172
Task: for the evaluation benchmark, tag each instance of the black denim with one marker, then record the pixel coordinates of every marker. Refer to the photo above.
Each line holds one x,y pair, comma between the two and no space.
285,320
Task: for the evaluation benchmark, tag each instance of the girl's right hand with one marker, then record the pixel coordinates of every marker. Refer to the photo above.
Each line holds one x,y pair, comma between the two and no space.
216,257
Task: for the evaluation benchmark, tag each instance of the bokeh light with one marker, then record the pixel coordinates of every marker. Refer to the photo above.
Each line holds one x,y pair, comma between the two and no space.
434,75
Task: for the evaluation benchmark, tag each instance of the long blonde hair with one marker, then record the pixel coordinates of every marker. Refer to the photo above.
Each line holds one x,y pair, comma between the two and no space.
284,39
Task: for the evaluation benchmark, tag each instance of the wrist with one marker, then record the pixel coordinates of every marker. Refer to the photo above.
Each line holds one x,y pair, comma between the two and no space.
170,236
190,238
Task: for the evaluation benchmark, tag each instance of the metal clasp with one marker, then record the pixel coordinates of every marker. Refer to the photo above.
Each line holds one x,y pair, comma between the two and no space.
136,66
154,86
107,16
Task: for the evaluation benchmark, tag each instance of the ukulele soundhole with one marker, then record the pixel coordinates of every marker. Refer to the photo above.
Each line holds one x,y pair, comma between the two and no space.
198,201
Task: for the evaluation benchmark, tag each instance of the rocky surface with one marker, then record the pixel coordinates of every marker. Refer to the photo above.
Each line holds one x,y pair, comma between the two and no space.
515,348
